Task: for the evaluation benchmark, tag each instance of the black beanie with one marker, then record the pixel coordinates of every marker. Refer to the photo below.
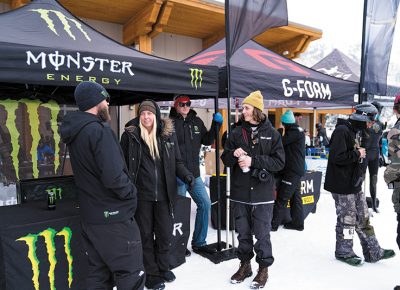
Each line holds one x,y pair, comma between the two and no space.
89,94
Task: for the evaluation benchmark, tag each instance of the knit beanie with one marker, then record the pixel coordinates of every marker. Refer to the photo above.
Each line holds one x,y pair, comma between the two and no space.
288,117
180,99
89,94
147,105
255,99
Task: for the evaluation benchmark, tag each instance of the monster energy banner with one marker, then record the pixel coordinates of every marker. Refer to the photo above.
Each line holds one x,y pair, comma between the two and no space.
29,139
42,43
41,249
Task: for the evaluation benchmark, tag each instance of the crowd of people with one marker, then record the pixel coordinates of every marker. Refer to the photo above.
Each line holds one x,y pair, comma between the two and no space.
128,187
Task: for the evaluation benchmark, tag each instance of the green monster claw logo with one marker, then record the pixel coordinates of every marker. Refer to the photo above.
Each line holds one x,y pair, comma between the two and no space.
196,75
32,106
49,235
55,191
45,15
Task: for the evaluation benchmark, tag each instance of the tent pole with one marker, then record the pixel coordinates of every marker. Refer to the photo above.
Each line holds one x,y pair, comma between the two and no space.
361,88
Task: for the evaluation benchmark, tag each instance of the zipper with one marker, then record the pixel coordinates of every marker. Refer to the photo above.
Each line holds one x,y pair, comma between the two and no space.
140,156
155,171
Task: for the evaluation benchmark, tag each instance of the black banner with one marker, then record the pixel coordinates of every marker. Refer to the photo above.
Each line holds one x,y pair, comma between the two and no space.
41,249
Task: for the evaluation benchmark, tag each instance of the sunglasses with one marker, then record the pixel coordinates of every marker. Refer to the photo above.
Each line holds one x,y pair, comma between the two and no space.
187,104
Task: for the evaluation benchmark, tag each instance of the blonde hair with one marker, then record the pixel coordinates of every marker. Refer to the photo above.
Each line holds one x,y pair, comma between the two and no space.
150,138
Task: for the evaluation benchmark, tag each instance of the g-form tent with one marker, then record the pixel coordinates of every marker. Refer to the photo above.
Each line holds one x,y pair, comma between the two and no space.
47,49
339,65
253,67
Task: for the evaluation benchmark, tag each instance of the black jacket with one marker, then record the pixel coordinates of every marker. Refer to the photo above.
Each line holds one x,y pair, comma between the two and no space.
191,133
267,154
172,164
293,142
323,139
343,160
372,138
106,193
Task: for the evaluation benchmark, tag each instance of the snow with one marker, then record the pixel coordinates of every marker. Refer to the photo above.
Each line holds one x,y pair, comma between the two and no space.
305,260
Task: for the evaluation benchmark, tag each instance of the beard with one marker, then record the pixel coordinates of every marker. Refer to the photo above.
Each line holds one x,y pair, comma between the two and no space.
104,115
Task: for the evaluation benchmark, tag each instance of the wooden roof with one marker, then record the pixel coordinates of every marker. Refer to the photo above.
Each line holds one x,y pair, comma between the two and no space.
195,18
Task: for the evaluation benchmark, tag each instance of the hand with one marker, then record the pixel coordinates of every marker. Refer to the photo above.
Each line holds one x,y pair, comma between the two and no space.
239,152
190,180
244,161
218,118
362,152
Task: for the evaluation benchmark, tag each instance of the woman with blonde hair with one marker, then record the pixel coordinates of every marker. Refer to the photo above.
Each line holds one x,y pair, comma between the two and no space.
152,155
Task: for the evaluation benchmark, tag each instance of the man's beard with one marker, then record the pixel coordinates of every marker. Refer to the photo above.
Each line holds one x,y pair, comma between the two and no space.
104,115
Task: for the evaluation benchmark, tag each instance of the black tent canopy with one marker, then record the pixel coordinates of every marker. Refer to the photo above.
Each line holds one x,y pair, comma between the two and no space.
48,50
253,67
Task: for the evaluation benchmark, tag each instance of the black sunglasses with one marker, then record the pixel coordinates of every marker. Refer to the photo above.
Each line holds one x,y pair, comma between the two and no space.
187,104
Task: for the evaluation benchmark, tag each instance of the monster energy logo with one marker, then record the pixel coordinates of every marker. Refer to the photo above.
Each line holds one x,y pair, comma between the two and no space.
55,192
49,239
45,15
196,75
32,106
107,213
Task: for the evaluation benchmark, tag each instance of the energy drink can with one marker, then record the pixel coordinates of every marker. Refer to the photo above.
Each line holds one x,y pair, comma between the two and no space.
51,200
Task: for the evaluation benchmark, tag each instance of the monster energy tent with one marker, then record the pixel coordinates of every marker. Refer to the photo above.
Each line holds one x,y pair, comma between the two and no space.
46,47
253,67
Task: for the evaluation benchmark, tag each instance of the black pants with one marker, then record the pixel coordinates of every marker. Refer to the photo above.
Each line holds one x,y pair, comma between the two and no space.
398,230
372,163
114,255
288,189
254,220
155,224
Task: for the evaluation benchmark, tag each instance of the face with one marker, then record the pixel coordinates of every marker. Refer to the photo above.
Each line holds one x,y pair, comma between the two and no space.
103,112
147,119
183,108
247,112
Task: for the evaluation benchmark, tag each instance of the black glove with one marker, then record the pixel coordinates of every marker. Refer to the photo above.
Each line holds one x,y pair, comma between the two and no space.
189,179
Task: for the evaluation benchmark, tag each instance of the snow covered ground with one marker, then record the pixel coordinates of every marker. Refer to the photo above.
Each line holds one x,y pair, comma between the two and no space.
305,260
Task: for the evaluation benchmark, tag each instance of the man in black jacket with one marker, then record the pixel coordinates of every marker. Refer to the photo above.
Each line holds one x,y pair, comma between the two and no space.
254,152
372,146
191,134
289,186
107,197
344,179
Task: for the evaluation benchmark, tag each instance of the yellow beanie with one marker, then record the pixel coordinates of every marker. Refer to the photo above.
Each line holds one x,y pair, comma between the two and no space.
255,99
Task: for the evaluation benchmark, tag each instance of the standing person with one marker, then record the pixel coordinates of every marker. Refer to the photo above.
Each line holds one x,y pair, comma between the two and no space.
344,179
154,162
372,146
322,138
298,117
254,151
107,197
392,172
289,186
191,134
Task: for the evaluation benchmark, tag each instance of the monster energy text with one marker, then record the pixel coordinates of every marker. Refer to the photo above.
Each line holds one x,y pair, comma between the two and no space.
50,243
58,61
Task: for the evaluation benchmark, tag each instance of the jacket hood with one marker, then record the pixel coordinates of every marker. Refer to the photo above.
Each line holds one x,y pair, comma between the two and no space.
173,114
341,121
166,130
73,123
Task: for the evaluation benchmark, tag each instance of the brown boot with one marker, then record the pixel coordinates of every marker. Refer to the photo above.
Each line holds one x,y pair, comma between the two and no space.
243,273
261,278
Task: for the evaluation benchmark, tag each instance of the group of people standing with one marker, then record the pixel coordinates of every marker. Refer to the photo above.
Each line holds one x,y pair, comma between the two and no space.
127,189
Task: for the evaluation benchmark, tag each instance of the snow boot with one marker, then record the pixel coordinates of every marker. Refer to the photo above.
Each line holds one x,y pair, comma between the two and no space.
154,282
387,254
168,276
291,226
397,288
260,279
353,261
243,273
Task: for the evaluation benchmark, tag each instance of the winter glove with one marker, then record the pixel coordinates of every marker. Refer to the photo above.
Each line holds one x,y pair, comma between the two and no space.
218,118
189,179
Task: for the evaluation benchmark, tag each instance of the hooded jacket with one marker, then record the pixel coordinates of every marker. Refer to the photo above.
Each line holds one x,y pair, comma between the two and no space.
191,134
293,142
343,160
267,153
106,193
172,164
